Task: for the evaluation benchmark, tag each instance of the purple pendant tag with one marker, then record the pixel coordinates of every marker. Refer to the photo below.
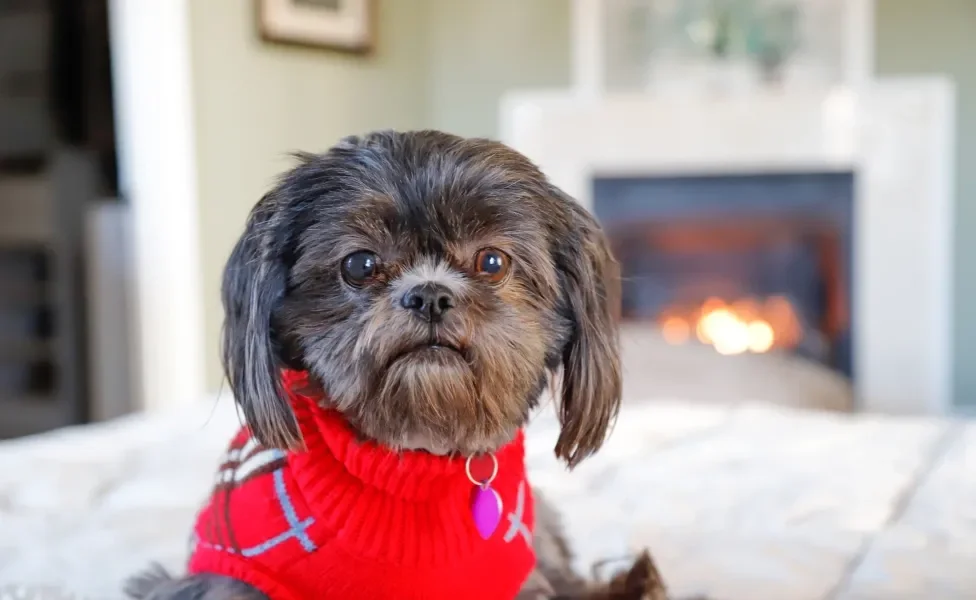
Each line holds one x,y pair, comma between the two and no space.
486,504
486,508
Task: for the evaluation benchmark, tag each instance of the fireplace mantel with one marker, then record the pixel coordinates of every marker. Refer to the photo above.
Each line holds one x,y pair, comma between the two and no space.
896,136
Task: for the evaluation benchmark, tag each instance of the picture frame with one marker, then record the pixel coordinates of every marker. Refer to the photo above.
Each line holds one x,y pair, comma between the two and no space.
342,25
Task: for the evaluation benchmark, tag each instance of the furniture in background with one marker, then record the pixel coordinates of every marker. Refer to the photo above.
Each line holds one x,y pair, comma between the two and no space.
57,156
108,254
42,358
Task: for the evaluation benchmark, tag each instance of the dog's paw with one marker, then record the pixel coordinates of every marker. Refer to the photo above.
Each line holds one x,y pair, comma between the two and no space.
157,584
144,585
536,587
641,582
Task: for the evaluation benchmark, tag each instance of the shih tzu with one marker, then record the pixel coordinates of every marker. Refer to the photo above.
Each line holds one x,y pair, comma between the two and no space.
395,309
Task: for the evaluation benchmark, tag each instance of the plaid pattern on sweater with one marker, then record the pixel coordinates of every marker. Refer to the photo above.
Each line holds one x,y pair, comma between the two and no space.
345,518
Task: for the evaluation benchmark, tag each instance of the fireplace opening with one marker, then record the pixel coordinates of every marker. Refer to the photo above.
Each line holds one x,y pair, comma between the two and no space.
747,264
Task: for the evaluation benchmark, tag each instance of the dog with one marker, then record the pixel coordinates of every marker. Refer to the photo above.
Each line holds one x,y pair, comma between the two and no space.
395,309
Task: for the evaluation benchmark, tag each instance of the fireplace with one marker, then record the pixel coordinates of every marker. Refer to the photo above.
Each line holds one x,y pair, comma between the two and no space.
745,263
801,161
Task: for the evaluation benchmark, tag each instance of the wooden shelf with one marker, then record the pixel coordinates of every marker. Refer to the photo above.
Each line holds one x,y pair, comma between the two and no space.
27,351
23,295
28,207
25,415
46,186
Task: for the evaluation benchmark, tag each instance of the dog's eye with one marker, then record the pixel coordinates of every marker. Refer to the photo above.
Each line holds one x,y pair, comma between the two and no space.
492,264
359,267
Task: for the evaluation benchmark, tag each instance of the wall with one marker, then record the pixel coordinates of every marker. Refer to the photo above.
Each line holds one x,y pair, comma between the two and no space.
156,141
939,36
481,48
254,102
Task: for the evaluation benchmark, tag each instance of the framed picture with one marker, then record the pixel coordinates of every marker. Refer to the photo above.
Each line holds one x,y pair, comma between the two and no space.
345,25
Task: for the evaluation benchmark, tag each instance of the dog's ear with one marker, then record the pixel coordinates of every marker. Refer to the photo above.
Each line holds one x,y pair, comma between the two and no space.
591,379
254,282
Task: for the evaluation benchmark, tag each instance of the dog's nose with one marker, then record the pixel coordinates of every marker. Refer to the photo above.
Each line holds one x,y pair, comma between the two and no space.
428,301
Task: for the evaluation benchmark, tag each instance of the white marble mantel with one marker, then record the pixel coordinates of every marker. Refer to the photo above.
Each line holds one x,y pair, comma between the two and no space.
897,136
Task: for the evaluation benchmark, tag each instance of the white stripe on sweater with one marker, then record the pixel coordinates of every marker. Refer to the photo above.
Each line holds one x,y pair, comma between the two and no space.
257,461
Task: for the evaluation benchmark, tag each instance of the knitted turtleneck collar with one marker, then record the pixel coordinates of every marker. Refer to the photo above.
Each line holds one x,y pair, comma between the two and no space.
368,493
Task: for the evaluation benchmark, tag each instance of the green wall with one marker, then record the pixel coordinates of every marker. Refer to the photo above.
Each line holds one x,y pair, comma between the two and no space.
917,37
479,49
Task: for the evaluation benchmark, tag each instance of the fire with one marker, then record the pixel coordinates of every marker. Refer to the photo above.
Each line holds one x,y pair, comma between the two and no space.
746,325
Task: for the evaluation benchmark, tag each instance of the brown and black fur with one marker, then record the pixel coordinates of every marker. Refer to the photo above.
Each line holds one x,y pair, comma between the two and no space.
465,375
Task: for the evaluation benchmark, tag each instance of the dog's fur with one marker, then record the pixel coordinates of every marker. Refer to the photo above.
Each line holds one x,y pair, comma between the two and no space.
458,372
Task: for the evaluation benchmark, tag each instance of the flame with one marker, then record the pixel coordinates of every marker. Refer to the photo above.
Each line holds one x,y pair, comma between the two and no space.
676,330
744,325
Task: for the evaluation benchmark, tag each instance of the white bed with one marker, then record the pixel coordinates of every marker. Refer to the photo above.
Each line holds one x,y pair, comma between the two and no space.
745,501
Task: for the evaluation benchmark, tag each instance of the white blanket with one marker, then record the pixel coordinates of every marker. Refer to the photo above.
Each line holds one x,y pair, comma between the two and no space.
749,502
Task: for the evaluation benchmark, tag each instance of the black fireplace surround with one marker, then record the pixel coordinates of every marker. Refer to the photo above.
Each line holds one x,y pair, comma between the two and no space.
690,237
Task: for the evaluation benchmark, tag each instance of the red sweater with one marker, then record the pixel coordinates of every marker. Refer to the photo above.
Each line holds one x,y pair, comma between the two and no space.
350,520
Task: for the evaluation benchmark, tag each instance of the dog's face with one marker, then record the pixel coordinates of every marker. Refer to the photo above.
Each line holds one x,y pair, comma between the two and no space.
432,286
